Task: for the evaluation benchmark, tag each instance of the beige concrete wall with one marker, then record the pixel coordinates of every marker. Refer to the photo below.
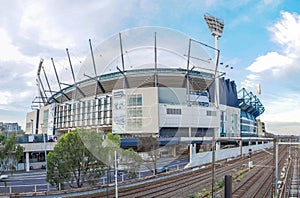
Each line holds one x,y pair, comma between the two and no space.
38,147
191,116
31,125
42,125
149,109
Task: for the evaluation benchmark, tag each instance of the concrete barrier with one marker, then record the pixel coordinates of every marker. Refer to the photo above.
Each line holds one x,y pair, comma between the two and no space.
197,159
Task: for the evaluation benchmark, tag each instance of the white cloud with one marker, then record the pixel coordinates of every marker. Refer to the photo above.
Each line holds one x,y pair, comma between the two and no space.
37,21
284,116
284,128
271,61
252,77
5,98
59,24
248,85
283,109
9,52
286,33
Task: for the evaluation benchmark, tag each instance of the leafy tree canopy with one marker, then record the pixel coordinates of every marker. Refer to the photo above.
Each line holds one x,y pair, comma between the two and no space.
150,145
10,152
83,155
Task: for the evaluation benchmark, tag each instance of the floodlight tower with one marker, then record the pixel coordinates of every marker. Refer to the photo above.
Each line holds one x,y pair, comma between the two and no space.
216,27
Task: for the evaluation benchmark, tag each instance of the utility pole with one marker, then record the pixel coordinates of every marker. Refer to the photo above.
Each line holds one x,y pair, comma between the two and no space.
216,27
116,173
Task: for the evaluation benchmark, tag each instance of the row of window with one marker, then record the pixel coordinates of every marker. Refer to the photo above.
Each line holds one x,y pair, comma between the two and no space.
211,113
174,111
89,112
67,124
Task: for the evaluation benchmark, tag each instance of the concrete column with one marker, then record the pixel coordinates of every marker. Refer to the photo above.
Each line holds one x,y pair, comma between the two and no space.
256,142
174,149
190,132
218,146
27,161
191,152
241,147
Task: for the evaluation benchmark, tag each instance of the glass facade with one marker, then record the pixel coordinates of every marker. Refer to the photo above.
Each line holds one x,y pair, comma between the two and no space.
248,124
87,113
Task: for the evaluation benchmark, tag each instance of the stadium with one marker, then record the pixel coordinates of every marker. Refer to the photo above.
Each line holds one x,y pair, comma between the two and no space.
146,81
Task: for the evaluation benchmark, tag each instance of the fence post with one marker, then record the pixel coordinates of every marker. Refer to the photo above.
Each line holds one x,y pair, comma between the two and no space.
34,188
228,186
10,191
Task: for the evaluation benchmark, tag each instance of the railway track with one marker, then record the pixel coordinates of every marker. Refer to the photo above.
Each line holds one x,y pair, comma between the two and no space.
258,183
184,184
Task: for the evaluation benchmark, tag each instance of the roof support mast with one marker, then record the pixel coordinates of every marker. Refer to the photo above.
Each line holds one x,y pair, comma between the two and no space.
59,84
47,80
121,48
187,71
41,89
125,81
51,92
96,76
77,88
155,60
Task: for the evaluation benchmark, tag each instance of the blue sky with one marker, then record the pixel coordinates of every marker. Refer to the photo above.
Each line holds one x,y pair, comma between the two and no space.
261,41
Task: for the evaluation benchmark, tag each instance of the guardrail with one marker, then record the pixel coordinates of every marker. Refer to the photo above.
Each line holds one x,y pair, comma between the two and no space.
17,189
24,188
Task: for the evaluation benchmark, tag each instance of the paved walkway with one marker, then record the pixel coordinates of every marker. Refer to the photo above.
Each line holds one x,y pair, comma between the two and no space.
23,172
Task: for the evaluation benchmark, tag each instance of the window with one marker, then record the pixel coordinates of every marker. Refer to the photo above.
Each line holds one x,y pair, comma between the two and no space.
135,112
134,124
174,111
134,100
211,113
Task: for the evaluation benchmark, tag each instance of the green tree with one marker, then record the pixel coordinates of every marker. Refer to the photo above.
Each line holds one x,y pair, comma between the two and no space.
84,155
130,161
150,145
10,152
115,138
72,162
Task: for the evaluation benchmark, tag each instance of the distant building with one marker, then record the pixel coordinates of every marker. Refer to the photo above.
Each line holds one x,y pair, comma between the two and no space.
251,109
10,127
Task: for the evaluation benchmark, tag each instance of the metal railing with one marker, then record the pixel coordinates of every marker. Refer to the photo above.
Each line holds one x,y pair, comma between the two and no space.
34,188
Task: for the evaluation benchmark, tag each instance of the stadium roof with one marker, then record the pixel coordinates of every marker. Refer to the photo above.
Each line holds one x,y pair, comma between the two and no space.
250,103
138,57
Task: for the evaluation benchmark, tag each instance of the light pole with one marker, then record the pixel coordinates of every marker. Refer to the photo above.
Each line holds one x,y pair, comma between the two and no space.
216,26
45,146
31,126
116,174
40,100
